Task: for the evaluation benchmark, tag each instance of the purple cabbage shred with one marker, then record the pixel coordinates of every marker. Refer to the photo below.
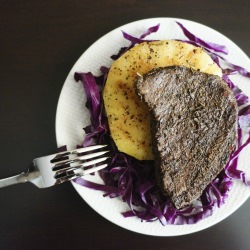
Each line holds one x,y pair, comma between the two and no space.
135,40
201,43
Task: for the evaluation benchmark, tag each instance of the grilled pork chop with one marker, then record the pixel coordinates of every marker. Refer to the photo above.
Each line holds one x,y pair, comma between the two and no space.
194,122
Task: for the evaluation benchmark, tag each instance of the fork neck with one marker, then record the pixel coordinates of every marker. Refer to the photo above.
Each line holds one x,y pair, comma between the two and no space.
16,179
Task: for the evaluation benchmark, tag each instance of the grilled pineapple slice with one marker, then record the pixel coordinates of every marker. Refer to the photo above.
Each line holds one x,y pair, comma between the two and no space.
128,117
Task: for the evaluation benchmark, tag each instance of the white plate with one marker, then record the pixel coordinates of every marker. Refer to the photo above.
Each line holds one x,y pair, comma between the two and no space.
72,116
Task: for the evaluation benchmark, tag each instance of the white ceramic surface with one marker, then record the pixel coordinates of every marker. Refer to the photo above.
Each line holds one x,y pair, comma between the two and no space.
72,116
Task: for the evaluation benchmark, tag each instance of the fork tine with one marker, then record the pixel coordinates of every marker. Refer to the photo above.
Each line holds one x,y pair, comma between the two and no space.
71,173
80,166
70,164
78,151
87,149
92,170
61,164
93,162
66,170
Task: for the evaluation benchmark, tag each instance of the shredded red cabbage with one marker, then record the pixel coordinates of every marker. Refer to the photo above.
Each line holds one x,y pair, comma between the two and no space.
135,40
133,180
201,43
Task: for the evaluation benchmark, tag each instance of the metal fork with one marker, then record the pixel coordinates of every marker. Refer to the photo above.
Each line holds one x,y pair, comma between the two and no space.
61,167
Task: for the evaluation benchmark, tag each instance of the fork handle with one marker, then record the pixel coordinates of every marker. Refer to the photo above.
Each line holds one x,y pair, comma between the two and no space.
16,179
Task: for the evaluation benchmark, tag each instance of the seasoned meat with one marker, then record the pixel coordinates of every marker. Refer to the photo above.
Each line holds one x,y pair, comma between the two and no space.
194,123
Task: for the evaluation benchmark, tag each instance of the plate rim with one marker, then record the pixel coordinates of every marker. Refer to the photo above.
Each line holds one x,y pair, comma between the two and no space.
76,187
